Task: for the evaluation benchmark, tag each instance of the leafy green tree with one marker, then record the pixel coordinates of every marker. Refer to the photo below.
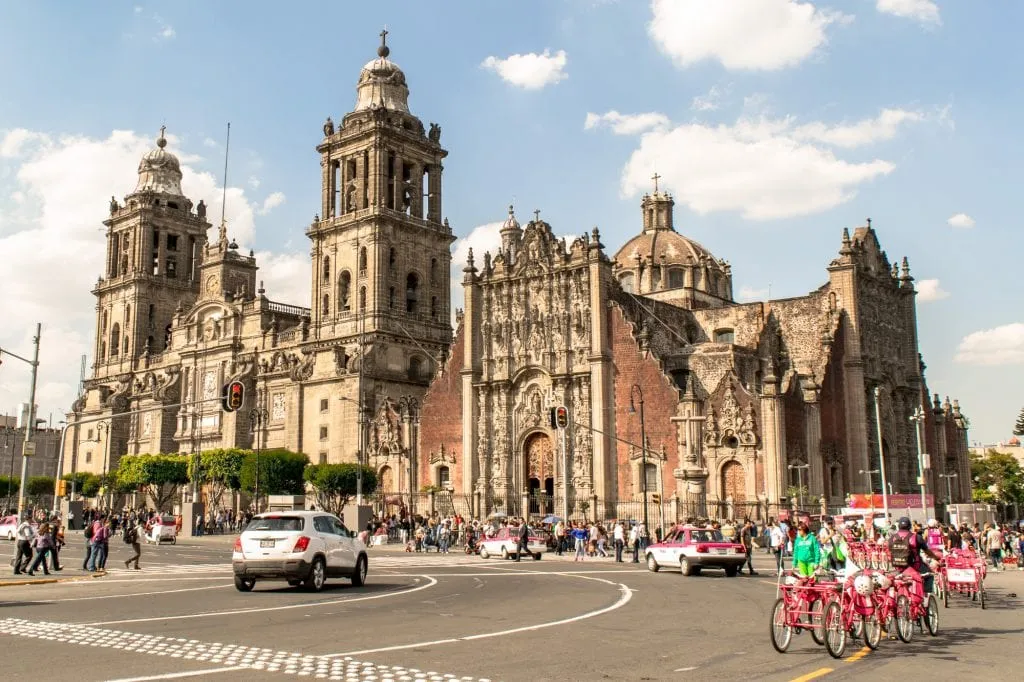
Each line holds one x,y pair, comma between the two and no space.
221,469
9,485
997,477
280,472
159,475
77,479
1018,428
37,486
91,485
335,484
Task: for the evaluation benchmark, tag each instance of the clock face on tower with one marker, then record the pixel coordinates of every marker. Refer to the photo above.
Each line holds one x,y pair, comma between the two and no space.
212,282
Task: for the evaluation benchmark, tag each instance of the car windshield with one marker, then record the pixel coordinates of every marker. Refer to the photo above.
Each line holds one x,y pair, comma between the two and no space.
706,536
276,523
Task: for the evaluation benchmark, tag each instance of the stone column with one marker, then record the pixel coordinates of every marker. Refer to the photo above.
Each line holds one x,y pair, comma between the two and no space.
434,188
472,475
325,181
773,438
691,477
602,380
812,431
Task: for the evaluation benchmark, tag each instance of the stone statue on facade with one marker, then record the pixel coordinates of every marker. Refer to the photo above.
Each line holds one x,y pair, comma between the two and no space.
113,204
435,133
328,127
201,210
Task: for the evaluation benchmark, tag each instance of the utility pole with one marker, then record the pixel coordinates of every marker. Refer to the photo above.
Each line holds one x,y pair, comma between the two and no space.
881,454
31,425
918,419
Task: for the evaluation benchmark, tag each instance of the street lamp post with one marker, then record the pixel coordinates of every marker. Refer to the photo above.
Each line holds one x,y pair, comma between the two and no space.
918,419
359,452
881,452
799,482
949,489
31,425
637,391
258,416
103,434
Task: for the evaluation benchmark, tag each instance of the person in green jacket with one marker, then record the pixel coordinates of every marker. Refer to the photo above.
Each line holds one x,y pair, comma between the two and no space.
806,552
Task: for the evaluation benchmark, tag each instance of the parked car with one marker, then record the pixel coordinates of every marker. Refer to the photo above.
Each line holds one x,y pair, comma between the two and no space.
693,549
301,547
163,528
505,542
9,527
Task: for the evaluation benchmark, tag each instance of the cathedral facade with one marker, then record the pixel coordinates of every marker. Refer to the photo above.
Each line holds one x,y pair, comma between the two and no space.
671,386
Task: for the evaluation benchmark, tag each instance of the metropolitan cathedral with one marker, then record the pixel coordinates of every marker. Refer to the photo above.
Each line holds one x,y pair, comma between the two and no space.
671,386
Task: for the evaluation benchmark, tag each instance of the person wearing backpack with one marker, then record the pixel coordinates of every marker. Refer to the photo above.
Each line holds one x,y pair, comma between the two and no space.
132,535
905,547
87,533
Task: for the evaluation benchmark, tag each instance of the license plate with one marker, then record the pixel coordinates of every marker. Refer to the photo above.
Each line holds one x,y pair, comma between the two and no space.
267,543
721,551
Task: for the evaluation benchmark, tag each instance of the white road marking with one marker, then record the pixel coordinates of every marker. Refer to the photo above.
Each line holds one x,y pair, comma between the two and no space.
172,676
625,594
390,593
228,656
132,594
686,670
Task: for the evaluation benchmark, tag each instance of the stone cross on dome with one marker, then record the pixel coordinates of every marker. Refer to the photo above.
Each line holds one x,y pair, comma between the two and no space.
536,215
655,177
384,50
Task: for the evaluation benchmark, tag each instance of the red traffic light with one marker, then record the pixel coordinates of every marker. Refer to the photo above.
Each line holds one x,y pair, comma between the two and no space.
234,396
561,417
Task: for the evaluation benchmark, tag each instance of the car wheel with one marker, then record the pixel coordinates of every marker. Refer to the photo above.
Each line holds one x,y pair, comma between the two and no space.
484,554
243,584
504,553
359,576
652,564
685,566
731,571
317,576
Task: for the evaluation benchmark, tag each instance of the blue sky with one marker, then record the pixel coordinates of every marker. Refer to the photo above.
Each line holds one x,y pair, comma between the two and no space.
774,123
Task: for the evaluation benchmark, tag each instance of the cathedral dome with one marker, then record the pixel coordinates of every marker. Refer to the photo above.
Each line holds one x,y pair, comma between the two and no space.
159,170
382,83
665,248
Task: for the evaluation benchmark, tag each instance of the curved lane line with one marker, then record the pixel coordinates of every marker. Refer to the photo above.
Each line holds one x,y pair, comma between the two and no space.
212,614
132,594
625,595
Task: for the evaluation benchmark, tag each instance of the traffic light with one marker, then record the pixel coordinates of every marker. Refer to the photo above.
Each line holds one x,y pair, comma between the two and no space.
234,396
62,488
656,498
559,417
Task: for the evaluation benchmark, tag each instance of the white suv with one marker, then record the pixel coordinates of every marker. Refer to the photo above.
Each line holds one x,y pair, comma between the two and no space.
302,547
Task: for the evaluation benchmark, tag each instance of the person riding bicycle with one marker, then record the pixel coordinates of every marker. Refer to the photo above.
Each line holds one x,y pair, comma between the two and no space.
905,547
807,555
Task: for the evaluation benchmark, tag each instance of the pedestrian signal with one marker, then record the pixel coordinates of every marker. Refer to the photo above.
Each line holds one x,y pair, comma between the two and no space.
656,498
234,396
62,488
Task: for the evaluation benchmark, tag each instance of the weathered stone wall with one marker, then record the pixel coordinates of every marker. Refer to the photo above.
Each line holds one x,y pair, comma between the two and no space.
441,420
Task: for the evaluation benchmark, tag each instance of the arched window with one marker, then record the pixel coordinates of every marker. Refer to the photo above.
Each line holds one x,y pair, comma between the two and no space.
152,314
675,278
651,476
391,298
362,261
433,271
104,326
433,307
115,340
626,281
325,309
444,477
725,336
344,291
415,367
412,285
127,315
362,299
327,270
103,350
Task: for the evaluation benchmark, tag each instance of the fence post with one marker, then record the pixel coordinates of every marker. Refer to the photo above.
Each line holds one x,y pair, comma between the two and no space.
431,496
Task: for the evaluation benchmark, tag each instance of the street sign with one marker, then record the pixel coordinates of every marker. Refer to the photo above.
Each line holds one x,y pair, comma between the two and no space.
30,449
927,460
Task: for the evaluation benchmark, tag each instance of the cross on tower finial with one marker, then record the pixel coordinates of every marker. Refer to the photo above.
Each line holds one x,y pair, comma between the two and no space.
384,35
536,215
163,129
383,51
655,177
869,223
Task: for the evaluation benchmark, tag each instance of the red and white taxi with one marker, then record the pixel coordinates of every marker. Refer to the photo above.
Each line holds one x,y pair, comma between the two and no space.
692,549
505,542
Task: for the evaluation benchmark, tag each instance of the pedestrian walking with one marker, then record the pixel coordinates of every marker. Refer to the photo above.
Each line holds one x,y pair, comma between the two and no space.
619,540
26,534
778,541
634,542
132,535
41,543
747,534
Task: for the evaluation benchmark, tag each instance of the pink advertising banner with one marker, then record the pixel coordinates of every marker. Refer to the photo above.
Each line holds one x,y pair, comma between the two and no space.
862,501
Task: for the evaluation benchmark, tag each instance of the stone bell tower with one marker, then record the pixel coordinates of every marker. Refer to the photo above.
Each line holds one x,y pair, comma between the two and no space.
380,246
154,244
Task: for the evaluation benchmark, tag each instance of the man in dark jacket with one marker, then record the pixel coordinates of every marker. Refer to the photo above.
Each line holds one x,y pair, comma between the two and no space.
524,540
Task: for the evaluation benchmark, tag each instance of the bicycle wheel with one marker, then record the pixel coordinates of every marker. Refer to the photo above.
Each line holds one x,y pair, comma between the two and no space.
835,632
931,616
857,629
904,625
872,631
818,619
782,633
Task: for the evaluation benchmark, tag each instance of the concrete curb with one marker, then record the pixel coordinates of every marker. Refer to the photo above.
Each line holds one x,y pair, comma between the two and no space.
48,581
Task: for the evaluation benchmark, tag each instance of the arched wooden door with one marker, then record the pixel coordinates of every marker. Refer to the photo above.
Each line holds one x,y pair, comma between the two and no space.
386,480
734,483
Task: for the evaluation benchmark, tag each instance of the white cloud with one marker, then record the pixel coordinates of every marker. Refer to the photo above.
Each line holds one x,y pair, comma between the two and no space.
961,220
138,9
884,127
481,239
997,346
747,294
709,101
165,32
254,182
923,11
530,71
209,142
286,276
929,290
761,167
54,250
625,124
741,34
271,202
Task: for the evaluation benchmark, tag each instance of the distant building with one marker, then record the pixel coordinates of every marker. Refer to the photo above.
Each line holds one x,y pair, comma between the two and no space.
12,440
1009,447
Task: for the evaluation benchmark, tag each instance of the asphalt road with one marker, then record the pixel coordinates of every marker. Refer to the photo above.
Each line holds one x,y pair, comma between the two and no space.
445,617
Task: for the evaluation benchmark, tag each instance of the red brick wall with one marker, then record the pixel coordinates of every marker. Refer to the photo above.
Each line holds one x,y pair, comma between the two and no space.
631,366
441,417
